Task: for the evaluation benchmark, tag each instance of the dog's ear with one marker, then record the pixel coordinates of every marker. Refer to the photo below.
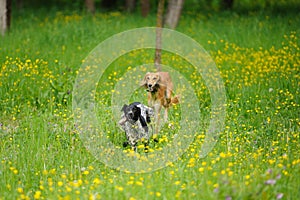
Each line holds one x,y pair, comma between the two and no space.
148,119
143,123
124,107
137,112
158,78
149,114
144,81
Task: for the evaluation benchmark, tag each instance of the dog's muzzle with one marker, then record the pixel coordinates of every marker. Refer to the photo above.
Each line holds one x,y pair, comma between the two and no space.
151,88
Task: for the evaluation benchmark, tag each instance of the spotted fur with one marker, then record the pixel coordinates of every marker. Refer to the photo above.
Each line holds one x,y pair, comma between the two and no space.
135,121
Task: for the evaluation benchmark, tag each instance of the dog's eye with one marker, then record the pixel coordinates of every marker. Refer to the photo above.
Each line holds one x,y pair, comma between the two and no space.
154,78
148,78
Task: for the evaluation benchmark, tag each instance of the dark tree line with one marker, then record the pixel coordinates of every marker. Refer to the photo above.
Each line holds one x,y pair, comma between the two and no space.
171,13
171,17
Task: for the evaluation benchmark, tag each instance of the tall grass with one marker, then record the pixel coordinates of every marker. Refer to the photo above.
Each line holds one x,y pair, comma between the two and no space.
256,157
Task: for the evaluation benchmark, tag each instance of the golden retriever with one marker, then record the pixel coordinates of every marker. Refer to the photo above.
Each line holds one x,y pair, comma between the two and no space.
159,86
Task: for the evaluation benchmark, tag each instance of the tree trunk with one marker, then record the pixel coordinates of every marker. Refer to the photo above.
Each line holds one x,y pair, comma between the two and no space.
173,13
145,7
90,5
129,6
3,16
159,26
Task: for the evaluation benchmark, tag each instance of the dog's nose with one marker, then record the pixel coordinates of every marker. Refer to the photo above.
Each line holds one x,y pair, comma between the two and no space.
150,85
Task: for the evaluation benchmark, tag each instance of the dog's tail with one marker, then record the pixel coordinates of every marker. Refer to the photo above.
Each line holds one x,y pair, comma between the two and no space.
175,100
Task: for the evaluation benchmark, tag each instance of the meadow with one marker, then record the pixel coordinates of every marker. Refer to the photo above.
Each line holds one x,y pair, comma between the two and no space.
257,155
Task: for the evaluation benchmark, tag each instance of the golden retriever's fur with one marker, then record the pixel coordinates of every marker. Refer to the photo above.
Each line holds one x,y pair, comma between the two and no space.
159,86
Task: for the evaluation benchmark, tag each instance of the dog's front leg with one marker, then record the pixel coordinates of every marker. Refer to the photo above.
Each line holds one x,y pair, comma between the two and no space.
166,114
168,97
157,109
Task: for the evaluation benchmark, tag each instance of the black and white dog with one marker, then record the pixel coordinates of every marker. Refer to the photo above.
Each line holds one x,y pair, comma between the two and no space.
134,121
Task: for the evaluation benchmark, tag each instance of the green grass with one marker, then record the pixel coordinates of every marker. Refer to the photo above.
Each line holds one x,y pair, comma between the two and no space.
257,156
